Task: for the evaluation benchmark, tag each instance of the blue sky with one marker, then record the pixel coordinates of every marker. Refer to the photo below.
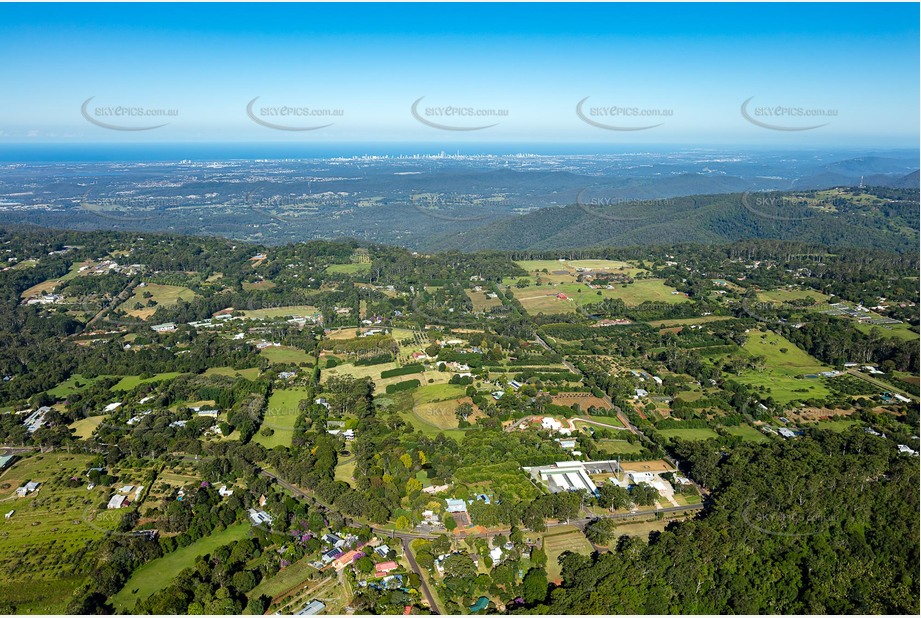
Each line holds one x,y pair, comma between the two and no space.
693,65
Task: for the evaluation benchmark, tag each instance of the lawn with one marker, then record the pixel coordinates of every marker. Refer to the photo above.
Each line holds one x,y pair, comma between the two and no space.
403,404
157,574
163,295
41,543
291,311
285,355
129,383
280,416
782,370
688,434
562,539
85,427
250,374
747,432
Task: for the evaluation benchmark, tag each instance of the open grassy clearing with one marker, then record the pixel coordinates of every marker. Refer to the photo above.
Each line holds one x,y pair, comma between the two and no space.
786,295
347,269
345,470
74,384
47,531
836,425
619,447
747,432
250,374
782,370
284,580
163,295
544,298
85,427
157,574
688,434
292,311
280,416
900,331
481,302
285,355
562,539
131,382
688,321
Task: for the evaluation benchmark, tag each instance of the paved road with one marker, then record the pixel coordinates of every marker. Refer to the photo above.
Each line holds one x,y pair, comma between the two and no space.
408,552
6,451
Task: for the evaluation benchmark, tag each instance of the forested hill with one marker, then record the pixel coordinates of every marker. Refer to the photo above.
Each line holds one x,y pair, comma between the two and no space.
881,218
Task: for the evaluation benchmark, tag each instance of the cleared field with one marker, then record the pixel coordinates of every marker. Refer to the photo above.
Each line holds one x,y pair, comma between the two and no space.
438,392
291,311
837,425
285,354
345,470
363,371
688,434
747,432
284,580
74,384
688,321
901,331
782,369
546,298
40,542
85,427
157,574
48,286
585,400
610,421
250,374
561,540
258,285
280,415
786,295
347,269
481,302
130,382
163,295
654,465
618,447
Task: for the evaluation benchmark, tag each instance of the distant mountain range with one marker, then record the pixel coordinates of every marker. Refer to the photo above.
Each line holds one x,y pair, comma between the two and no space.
880,218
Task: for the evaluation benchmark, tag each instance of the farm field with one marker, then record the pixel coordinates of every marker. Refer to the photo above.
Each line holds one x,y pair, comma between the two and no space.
250,374
163,295
610,421
560,540
688,434
131,382
747,432
285,355
836,425
157,574
782,369
47,530
280,416
281,312
543,299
